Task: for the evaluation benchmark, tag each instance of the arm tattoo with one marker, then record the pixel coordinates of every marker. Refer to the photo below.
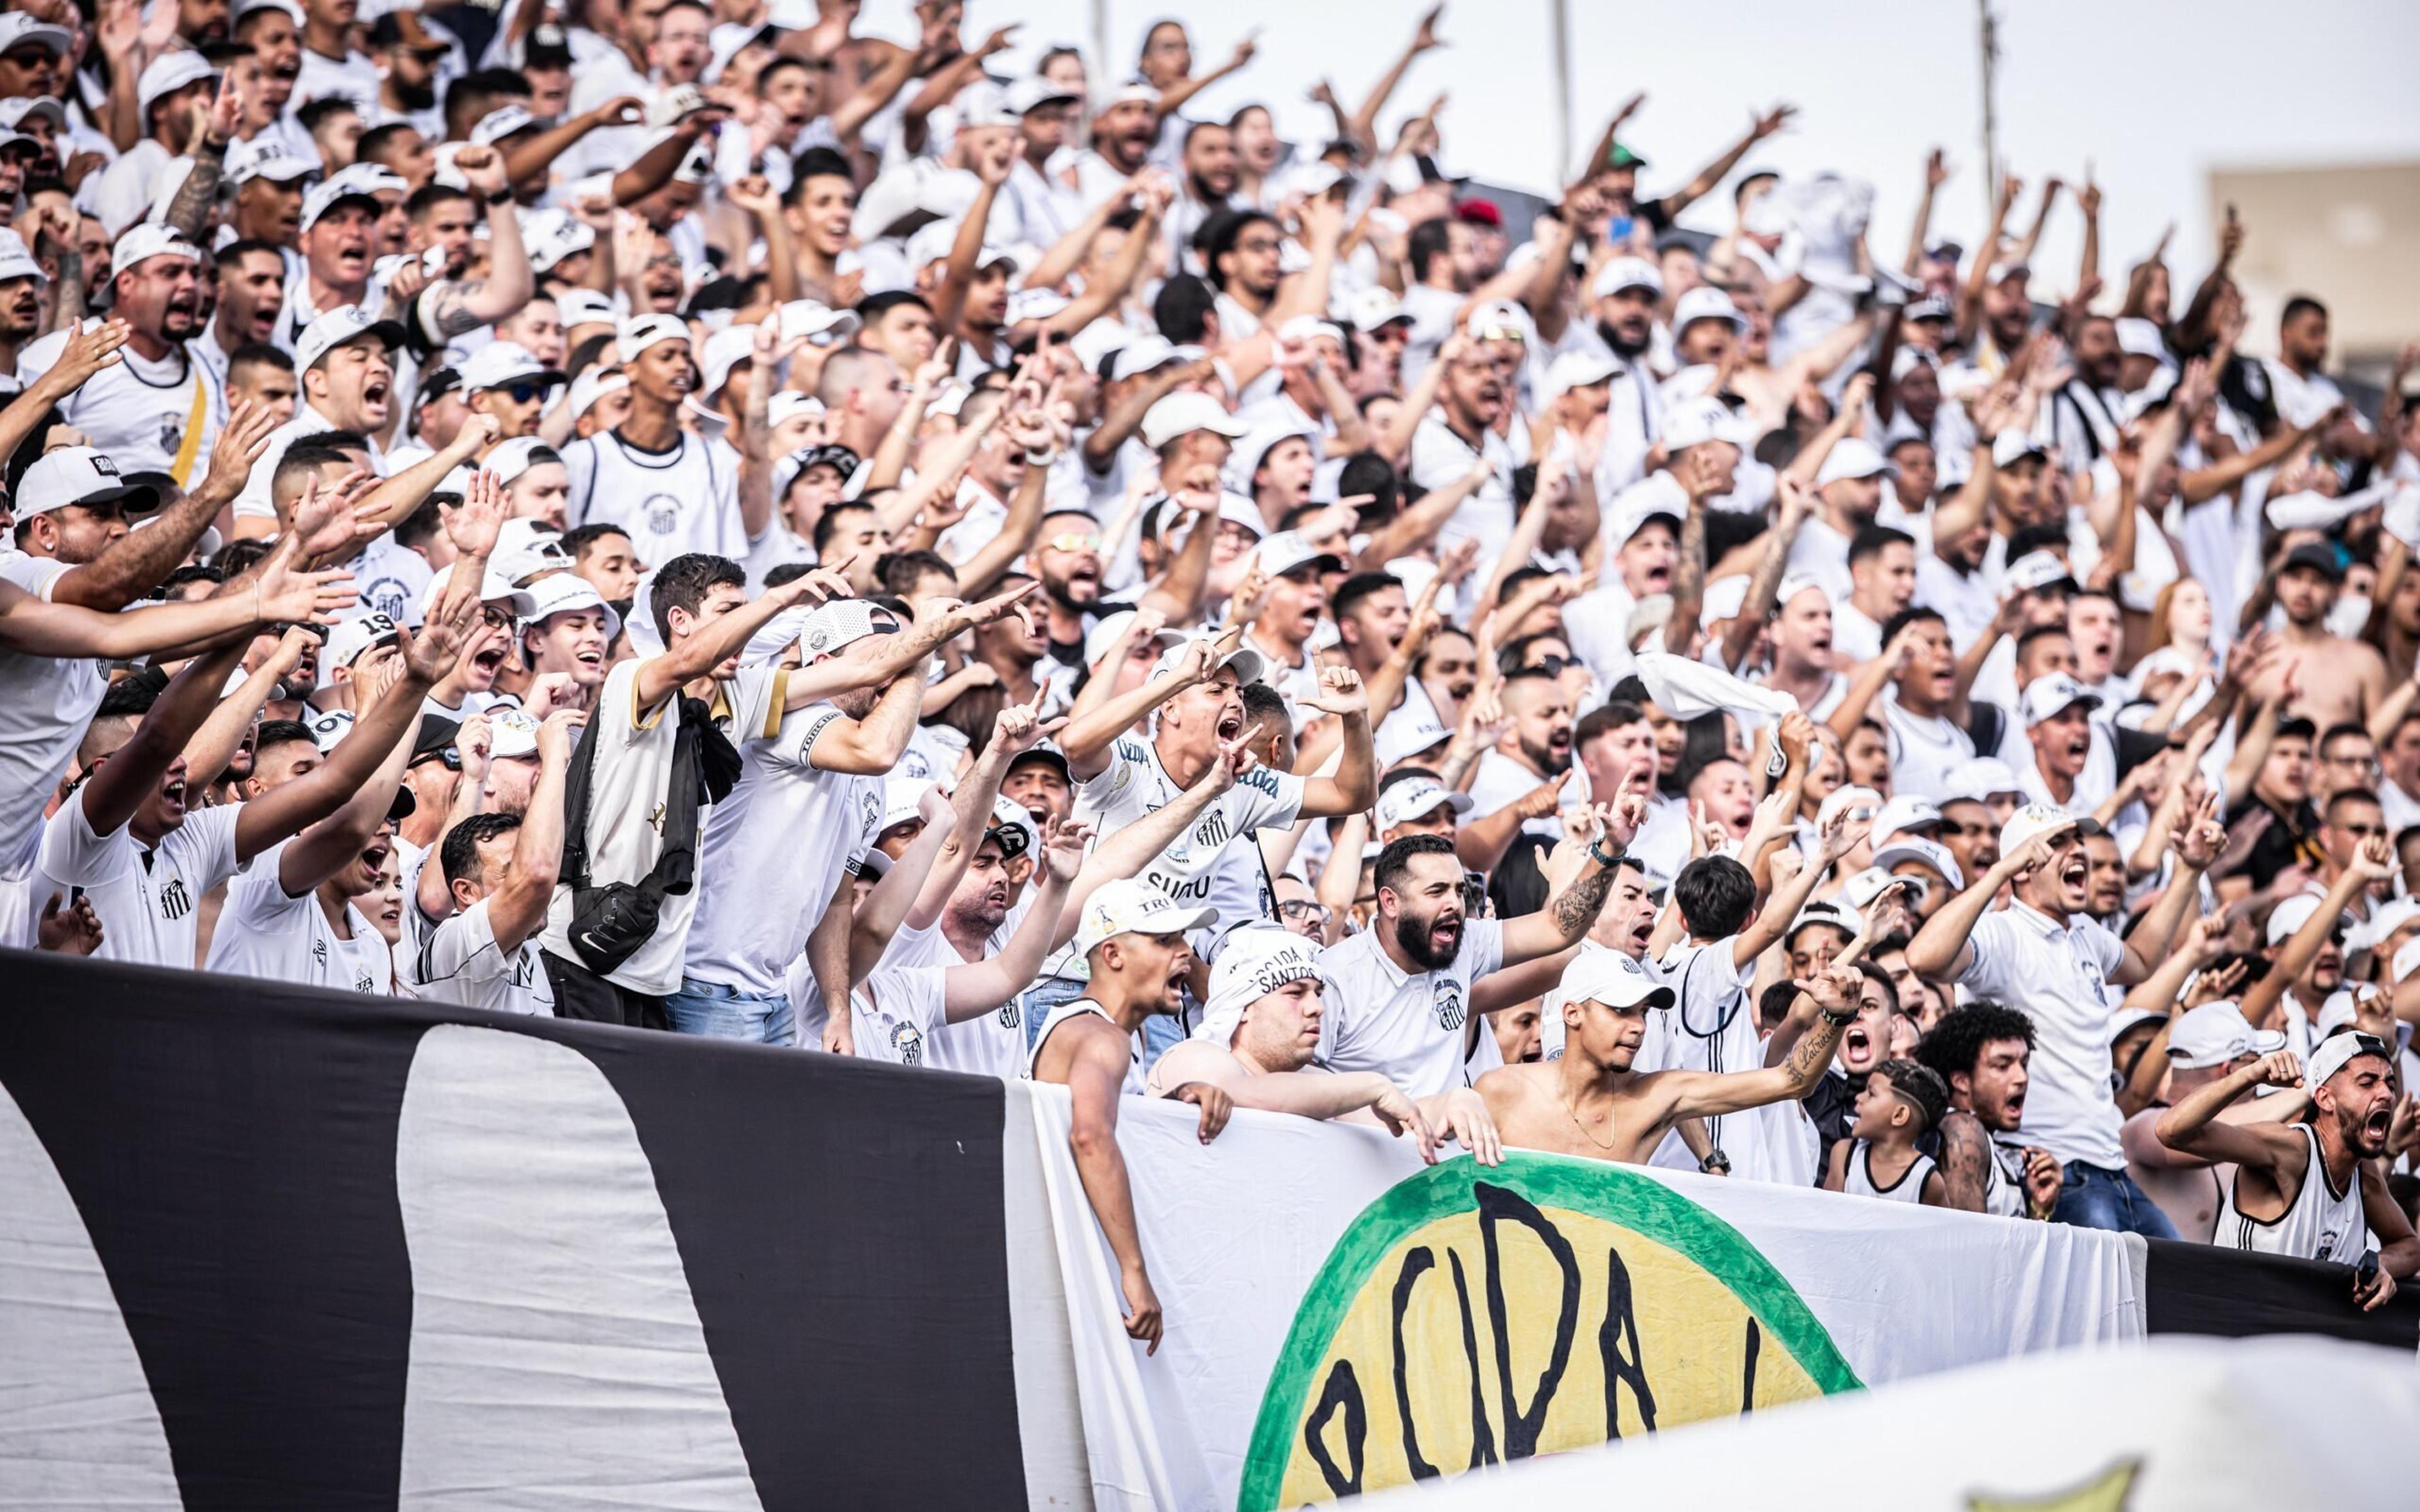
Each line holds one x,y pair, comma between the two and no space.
191,207
446,312
1813,1051
1963,1154
1576,906
1689,575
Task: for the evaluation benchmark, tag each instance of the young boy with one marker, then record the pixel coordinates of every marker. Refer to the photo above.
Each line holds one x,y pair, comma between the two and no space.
822,472
1878,1158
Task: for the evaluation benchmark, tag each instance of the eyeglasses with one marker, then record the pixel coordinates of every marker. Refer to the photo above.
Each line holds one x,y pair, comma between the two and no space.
1296,910
450,755
494,618
1071,541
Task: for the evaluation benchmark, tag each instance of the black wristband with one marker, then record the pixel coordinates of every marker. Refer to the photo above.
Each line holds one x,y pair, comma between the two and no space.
1597,854
1839,1021
502,196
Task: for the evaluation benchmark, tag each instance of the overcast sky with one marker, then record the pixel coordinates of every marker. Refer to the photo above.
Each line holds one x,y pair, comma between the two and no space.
2151,97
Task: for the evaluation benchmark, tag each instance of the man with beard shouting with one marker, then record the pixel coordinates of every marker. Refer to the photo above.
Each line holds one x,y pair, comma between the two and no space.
1981,1051
2310,1189
1403,989
157,409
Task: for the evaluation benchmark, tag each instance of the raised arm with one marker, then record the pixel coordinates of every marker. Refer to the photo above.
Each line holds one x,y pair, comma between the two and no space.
1706,1094
2195,1127
517,908
1354,786
979,987
458,306
1712,174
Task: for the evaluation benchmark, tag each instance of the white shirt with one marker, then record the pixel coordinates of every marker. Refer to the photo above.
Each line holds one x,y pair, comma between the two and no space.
1500,782
2058,975
138,410
254,502
626,806
1406,1025
1855,636
670,503
1923,752
461,963
121,193
1440,458
1714,1028
355,76
45,704
781,842
147,900
898,1012
263,931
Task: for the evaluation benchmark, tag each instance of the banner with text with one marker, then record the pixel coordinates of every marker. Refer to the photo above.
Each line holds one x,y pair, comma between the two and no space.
1341,1318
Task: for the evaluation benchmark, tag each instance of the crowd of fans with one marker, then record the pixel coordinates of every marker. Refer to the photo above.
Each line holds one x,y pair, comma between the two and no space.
687,515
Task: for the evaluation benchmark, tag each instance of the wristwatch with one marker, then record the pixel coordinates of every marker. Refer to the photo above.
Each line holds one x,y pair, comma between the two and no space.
1715,1160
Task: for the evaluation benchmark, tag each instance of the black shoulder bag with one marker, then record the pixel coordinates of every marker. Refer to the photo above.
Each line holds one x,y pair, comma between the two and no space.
610,923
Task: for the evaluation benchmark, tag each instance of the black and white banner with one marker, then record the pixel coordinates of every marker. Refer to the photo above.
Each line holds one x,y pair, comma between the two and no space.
265,1248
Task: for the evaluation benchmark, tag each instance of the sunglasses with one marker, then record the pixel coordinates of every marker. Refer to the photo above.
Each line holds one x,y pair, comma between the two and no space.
1553,665
1071,541
524,392
450,755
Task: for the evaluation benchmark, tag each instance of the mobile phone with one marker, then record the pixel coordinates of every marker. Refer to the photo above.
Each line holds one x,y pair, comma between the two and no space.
1473,893
1619,228
2365,1275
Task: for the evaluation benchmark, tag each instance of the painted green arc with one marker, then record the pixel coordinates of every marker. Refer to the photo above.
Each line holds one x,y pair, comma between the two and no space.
1624,1198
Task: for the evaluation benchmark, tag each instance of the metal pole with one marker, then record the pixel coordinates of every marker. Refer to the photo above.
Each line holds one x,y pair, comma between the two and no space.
1990,32
1108,78
1560,21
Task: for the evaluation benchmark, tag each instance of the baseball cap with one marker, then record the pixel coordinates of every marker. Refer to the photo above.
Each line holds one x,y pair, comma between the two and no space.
148,239
329,193
2318,556
591,386
1924,851
164,75
1181,414
493,589
565,593
1626,272
2384,920
1847,800
1981,777
1610,977
1132,906
1287,551
819,323
339,326
500,364
2214,1034
1822,911
1148,354
15,112
328,730
722,351
1417,798
1404,734
2012,446
512,734
2037,819
551,235
2291,915
1578,370
642,332
1852,457
1498,321
1868,884
1932,307
1705,302
2035,571
2052,694
436,736
2138,337
830,627
1032,92
511,458
1371,308
348,638
79,475
2338,1051
2126,1018
1010,828
1253,962
501,122
903,799
17,27
524,547
1695,421
1905,811
267,157
1250,666
583,307
1106,630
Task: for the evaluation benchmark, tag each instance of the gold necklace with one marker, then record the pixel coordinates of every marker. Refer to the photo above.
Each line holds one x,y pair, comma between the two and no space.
1574,1117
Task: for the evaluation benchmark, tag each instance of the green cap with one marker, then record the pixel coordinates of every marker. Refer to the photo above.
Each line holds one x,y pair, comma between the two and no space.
1621,157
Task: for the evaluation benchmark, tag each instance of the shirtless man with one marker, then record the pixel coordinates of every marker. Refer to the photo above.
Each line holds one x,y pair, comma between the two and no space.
2342,682
1590,1103
1258,1042
2308,1189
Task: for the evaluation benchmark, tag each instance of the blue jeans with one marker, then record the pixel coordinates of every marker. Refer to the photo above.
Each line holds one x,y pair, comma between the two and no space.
2091,1197
722,1013
1045,994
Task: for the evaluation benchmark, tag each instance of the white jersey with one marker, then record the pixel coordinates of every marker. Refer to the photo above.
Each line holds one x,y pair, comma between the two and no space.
141,412
898,1011
45,704
1077,1008
1712,1027
2004,1180
1859,1178
264,930
2321,1222
1408,1026
147,900
460,961
1923,752
670,503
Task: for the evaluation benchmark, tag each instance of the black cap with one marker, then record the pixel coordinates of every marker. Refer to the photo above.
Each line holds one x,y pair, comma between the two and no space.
403,805
2319,557
1048,755
437,732
548,45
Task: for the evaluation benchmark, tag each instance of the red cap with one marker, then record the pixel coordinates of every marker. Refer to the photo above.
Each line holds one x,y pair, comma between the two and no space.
1479,212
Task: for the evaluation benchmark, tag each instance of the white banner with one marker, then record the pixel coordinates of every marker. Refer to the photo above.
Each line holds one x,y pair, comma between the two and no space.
1340,1318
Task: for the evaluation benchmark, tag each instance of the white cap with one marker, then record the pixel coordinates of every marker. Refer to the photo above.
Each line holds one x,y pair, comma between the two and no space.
329,192
328,730
1577,370
343,324
2037,819
1288,551
2384,920
348,638
789,405
1929,852
640,333
1147,352
2214,1034
2138,337
1612,978
15,261
1250,666
267,157
903,798
1133,906
1181,414
1012,827
584,307
2291,915
2034,570
1705,302
1417,798
829,628
1847,799
1904,811
2052,694
1981,777
2012,446
493,589
817,322
148,239
1695,421
1034,91
17,27
1498,321
1403,735
2335,1053
1854,456
512,734
723,351
1868,884
554,234
501,363
525,547
1254,961
1107,631
511,458
501,122
164,75
15,112
1627,273
566,592
78,475
591,385
1822,911
1370,308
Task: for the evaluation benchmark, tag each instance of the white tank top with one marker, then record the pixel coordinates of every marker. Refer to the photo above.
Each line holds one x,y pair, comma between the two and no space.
2322,1224
2004,1180
1077,1008
1859,1181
